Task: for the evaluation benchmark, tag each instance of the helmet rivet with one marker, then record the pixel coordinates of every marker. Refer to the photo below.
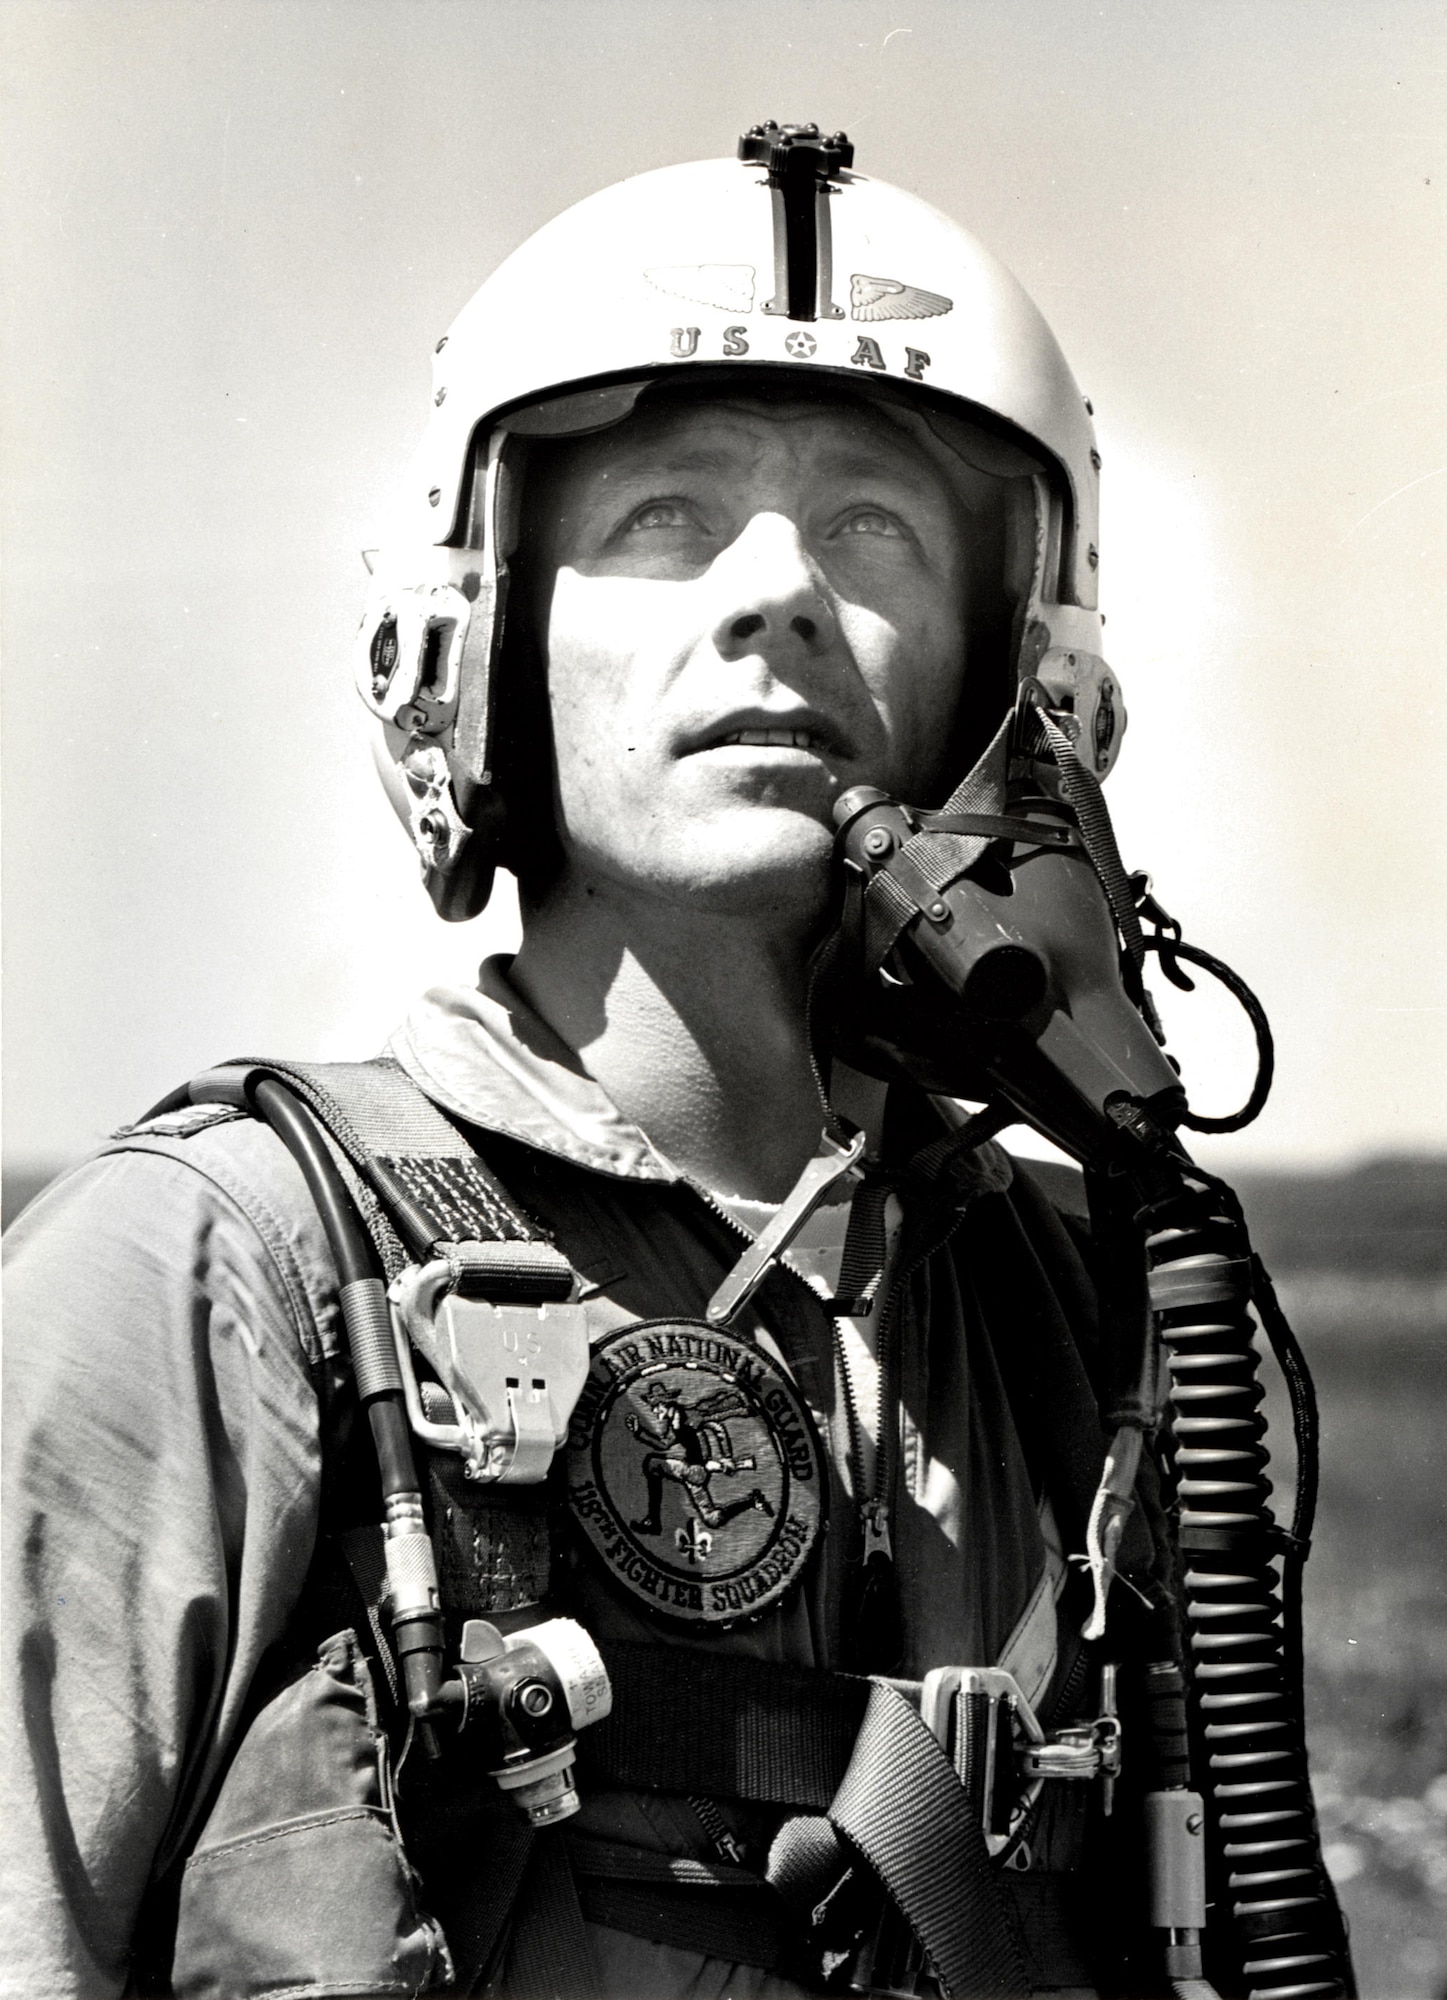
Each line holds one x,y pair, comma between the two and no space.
440,397
434,497
1095,459
1092,556
878,841
1089,407
440,345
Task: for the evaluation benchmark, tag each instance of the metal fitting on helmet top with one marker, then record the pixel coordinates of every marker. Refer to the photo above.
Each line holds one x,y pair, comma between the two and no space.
784,259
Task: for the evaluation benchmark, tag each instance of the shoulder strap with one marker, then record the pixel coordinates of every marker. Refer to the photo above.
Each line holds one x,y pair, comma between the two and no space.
415,1177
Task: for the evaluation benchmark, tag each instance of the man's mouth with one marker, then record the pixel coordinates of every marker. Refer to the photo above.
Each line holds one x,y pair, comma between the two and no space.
814,735
774,739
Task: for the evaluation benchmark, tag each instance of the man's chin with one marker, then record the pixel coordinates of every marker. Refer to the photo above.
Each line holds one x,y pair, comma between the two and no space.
786,877
760,862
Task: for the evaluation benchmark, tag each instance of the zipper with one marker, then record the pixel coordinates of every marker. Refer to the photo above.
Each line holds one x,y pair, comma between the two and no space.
874,1509
717,1830
874,1512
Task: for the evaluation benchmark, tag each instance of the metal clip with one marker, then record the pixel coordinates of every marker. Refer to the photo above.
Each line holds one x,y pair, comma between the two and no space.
1084,1749
514,1372
819,1180
982,1719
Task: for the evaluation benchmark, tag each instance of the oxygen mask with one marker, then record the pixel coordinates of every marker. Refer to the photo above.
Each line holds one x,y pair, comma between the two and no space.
993,950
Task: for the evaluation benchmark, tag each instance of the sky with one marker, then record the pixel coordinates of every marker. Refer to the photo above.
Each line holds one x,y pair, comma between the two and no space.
232,235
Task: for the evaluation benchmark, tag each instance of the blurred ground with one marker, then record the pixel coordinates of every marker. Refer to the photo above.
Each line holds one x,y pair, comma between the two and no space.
1376,1620
1361,1265
1360,1259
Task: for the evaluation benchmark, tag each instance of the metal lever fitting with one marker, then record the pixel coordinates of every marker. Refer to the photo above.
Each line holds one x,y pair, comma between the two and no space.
1003,1755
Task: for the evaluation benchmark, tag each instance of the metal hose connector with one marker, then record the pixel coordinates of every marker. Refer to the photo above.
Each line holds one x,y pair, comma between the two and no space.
1284,1919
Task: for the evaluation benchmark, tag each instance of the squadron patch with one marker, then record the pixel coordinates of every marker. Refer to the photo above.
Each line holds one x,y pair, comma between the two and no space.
695,1472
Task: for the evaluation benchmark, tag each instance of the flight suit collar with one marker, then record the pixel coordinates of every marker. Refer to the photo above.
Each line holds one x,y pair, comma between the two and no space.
486,1057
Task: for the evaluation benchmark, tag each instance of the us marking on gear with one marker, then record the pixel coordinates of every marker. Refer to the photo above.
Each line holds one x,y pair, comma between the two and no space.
801,345
694,1471
887,298
730,287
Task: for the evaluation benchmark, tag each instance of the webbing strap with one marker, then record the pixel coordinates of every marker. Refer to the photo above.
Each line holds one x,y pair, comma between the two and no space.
393,1141
1083,793
685,1721
943,857
999,826
902,1805
887,910
853,1749
549,1957
866,1244
810,1867
938,857
949,1168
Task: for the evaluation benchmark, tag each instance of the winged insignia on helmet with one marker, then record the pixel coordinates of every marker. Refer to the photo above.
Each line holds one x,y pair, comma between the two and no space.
887,298
730,287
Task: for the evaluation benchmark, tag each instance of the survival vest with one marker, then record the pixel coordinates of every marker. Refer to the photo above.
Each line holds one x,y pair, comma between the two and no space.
913,1846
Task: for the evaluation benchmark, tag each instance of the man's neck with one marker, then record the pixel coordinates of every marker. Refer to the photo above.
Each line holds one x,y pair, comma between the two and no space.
694,1023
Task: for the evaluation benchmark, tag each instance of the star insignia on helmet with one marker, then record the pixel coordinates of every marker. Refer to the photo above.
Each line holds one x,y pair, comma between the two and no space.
887,298
801,345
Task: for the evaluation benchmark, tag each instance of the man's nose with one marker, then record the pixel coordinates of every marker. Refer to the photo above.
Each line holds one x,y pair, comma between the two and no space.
776,602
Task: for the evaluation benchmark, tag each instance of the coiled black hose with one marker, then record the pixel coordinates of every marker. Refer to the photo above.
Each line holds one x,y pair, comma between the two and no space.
1287,1930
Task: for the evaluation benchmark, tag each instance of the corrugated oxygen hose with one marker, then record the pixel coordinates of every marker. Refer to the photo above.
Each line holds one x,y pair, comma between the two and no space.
1284,1917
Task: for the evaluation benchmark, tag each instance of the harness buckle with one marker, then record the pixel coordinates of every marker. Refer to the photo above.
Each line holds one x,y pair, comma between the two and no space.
1002,1754
512,1372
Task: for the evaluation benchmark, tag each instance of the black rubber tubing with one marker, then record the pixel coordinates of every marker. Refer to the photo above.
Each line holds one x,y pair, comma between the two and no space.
295,1127
1171,949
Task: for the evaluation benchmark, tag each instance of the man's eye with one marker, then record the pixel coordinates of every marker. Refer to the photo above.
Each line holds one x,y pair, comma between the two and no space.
870,521
661,514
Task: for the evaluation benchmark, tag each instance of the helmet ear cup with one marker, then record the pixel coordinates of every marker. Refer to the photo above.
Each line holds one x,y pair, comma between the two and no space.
463,894
457,871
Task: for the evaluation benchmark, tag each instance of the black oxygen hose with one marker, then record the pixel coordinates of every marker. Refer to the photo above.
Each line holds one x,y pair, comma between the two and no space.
1238,1612
413,1598
379,1379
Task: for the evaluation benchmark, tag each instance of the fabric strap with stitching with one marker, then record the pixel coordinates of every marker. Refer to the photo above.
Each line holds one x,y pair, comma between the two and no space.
853,1749
727,1727
388,1136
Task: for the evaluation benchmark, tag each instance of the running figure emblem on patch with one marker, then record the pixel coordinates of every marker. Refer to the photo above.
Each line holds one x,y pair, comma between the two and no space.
695,1472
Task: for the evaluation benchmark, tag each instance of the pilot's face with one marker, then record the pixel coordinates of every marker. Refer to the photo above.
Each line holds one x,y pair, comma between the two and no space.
752,607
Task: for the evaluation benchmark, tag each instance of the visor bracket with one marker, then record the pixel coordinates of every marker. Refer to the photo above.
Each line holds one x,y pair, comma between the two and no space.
801,162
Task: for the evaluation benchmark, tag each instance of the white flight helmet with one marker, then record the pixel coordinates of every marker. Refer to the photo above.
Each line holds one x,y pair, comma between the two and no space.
781,259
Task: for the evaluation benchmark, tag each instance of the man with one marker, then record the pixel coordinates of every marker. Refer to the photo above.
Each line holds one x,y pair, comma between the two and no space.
748,485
